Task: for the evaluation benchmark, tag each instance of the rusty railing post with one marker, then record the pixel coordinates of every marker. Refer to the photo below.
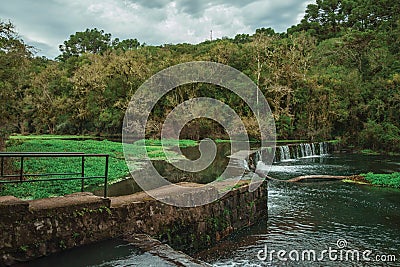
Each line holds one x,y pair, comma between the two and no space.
2,167
106,177
21,173
83,174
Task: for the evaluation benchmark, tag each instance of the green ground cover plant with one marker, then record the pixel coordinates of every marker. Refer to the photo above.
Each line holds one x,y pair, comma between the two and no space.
390,180
118,169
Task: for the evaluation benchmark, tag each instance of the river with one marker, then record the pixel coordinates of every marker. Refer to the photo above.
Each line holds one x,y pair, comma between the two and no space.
316,216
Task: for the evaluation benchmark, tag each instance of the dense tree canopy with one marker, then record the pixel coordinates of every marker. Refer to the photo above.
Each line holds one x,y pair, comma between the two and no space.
335,75
331,18
90,41
14,62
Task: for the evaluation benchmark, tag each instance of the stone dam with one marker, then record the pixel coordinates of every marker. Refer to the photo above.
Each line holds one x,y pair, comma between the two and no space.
36,228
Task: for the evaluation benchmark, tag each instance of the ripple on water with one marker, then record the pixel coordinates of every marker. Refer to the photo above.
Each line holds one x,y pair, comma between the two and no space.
315,215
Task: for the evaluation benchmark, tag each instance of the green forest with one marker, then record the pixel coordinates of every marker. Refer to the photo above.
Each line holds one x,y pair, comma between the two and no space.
335,75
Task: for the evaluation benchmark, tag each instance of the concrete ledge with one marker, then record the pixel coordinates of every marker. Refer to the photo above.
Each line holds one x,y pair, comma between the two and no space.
10,205
76,199
181,194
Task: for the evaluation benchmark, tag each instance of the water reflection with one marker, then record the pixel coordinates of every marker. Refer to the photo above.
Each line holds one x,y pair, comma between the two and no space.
175,175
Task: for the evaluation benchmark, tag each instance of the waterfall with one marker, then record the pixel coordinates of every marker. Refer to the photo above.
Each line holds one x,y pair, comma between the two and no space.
303,150
284,153
244,164
308,150
257,158
323,148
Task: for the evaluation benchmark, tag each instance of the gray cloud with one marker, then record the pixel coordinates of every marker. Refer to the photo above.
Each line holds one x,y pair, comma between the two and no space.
48,23
197,8
151,4
278,15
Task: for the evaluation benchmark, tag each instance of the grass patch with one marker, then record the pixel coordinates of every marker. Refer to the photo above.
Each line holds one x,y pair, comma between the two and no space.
389,180
354,182
231,141
369,152
155,149
167,142
222,141
118,168
292,141
306,141
93,166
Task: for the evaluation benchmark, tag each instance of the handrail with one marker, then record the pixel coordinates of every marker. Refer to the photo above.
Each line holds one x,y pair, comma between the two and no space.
23,155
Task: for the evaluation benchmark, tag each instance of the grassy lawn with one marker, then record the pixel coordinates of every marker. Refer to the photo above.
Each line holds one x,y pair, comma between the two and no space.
93,166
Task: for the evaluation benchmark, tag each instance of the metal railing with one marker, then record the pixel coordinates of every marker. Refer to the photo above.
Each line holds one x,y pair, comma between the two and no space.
19,177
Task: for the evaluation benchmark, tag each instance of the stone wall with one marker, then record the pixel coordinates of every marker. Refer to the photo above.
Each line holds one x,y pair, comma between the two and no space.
31,229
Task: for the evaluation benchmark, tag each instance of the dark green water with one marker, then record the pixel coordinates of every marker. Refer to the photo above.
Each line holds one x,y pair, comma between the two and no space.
114,253
336,164
314,216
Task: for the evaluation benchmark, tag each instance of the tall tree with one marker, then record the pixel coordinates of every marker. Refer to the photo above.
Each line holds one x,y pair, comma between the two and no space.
48,100
14,62
326,16
91,41
125,45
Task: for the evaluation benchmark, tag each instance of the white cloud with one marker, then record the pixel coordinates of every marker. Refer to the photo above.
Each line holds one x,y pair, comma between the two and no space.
48,23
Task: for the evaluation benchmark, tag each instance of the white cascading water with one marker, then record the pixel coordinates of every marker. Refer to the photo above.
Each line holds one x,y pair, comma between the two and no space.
284,152
302,150
323,148
307,150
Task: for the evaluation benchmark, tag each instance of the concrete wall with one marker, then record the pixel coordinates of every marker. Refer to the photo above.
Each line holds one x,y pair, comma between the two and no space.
31,229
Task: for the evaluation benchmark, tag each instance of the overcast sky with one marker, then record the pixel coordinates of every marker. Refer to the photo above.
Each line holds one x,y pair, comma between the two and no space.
46,24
